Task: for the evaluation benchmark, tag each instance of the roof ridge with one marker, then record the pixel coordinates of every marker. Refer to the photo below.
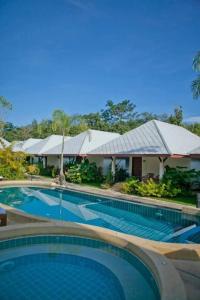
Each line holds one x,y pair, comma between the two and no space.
161,136
86,134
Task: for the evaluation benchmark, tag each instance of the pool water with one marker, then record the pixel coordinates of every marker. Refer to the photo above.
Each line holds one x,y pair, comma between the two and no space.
150,222
71,268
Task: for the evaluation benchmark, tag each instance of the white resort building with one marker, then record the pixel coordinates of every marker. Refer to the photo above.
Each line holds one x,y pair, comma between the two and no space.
144,151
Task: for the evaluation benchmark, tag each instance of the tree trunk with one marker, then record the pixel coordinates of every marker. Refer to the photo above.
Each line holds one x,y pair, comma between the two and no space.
62,176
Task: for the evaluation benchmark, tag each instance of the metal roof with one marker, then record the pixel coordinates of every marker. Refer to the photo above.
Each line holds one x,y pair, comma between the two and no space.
4,142
45,144
84,142
23,145
152,138
196,151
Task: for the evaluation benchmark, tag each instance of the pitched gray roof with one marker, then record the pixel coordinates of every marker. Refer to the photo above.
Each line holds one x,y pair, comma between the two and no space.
45,144
152,138
196,151
4,143
84,142
23,145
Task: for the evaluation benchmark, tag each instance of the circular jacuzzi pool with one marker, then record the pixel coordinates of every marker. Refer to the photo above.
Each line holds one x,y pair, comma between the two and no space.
71,267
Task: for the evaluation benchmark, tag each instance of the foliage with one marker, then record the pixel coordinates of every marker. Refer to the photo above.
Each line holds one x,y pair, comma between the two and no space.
33,169
109,179
195,128
130,185
120,174
12,164
49,171
155,189
196,82
115,117
5,106
83,172
182,178
177,117
150,188
120,112
73,174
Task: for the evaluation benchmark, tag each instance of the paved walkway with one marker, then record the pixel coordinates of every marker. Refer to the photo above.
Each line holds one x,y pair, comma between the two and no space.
190,274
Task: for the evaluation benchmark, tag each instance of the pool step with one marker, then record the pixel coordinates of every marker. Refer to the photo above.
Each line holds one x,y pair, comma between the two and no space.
179,233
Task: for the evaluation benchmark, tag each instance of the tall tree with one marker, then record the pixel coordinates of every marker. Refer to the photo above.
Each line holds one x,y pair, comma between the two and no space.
62,123
177,117
119,112
196,82
5,106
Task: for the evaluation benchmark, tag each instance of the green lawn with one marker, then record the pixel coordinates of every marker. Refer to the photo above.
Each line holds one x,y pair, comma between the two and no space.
185,200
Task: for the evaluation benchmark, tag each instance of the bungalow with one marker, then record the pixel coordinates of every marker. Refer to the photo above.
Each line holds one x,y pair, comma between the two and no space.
38,150
3,143
78,146
149,148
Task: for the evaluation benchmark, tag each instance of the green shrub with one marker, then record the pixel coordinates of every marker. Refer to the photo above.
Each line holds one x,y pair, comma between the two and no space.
130,185
33,169
109,179
85,172
120,174
154,189
150,188
49,171
73,174
182,178
12,164
90,172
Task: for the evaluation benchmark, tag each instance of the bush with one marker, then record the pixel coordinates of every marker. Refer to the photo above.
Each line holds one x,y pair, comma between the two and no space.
12,164
84,172
182,178
73,174
49,171
120,174
130,185
33,169
150,188
154,189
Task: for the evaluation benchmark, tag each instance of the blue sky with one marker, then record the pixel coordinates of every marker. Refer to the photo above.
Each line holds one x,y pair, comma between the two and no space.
77,54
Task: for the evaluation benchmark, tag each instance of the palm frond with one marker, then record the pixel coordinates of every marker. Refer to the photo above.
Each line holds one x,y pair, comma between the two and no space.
196,62
196,88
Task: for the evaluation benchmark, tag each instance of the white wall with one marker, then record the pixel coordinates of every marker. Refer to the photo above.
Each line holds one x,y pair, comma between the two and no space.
151,164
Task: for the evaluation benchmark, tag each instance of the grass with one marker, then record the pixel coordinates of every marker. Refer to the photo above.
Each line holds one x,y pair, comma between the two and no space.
93,184
185,200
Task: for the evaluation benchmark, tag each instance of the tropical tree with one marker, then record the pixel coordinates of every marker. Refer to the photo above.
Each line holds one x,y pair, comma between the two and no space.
61,123
196,82
177,117
12,164
5,106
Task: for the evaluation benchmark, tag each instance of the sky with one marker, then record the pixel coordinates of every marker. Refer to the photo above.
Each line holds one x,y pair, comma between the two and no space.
77,54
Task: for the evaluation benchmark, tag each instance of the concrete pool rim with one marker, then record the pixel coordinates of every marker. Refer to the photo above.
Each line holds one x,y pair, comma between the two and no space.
167,278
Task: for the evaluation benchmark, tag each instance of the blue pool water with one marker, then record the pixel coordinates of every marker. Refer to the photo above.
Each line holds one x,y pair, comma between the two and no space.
71,268
150,222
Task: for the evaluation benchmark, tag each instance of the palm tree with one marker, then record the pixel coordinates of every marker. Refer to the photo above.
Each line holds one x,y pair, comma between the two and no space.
196,82
61,123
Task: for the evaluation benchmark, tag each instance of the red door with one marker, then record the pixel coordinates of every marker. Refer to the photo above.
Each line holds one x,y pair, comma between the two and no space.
137,167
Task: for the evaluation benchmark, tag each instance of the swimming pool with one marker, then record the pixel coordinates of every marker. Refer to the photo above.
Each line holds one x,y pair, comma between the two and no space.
150,222
70,267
